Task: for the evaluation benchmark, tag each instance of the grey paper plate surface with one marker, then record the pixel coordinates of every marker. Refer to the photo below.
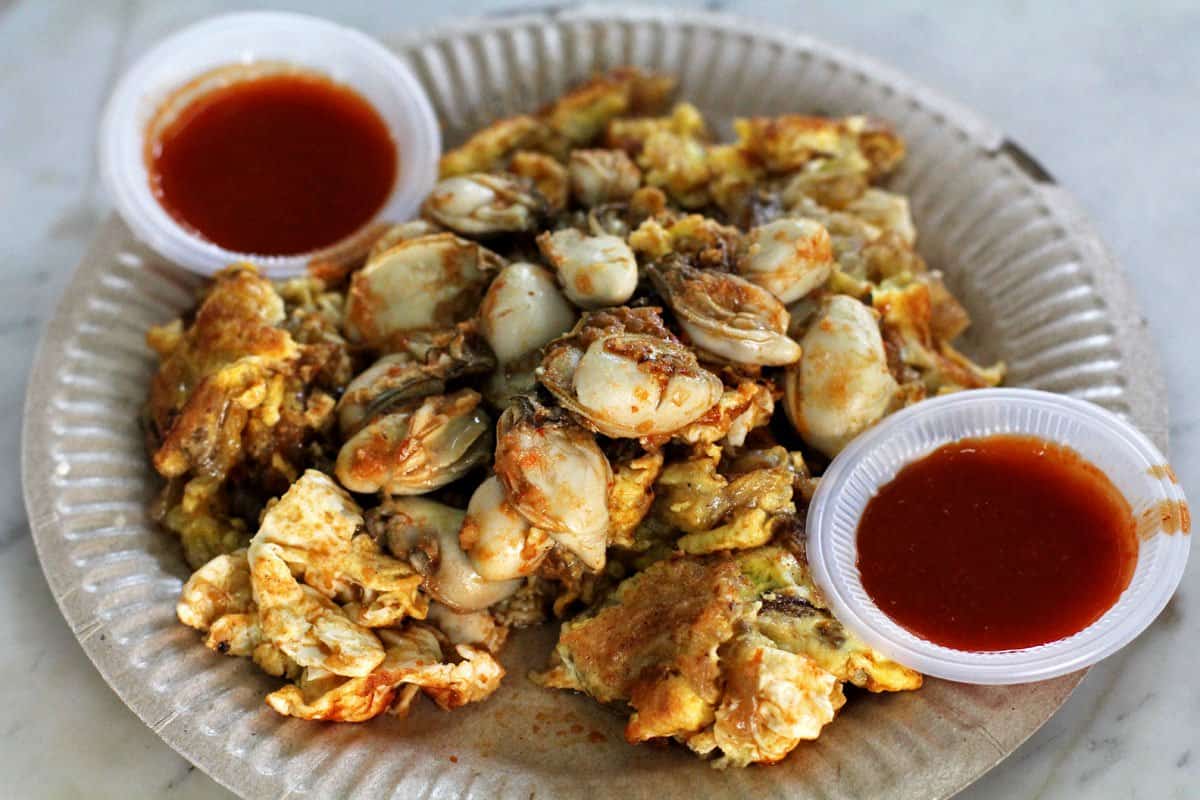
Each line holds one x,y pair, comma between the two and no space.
1044,293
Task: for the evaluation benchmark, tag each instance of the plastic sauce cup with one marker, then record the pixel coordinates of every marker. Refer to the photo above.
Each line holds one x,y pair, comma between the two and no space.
341,54
1134,465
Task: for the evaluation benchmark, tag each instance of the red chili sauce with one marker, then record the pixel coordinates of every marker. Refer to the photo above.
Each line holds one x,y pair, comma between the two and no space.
997,543
276,165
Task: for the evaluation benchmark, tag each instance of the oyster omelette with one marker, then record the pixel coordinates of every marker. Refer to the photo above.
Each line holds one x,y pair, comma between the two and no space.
594,385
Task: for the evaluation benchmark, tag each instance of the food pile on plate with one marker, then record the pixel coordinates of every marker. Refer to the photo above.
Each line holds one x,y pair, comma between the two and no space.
594,386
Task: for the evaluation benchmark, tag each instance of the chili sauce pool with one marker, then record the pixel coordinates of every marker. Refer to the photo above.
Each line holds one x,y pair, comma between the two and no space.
280,164
997,543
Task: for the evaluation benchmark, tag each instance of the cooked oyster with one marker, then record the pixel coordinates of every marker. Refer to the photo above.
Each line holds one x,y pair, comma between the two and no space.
499,541
522,311
480,628
417,524
788,257
418,284
727,316
555,476
595,271
419,447
602,176
395,234
547,175
423,366
480,203
628,384
841,385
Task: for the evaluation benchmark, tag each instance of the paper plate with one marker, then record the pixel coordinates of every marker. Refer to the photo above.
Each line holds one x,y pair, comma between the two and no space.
1045,295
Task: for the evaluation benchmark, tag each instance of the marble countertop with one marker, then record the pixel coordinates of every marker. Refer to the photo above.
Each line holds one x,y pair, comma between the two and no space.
1105,93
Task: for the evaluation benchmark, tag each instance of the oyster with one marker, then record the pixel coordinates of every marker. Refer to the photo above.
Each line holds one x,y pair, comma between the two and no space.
727,316
428,282
555,476
523,310
419,447
788,257
842,385
627,383
595,271
479,203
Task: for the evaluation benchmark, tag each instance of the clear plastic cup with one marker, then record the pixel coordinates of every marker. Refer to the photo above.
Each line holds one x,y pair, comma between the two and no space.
1130,460
342,54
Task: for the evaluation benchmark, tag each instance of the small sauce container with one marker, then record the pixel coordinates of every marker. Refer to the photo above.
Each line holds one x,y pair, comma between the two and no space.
1133,465
236,47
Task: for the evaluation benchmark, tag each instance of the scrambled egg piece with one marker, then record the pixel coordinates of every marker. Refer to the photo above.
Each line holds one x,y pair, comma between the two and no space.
220,587
225,368
237,399
814,633
671,152
773,700
469,680
198,511
413,657
218,601
631,495
253,603
575,119
697,648
740,410
314,529
311,529
796,618
907,324
582,113
306,625
716,512
791,141
734,179
654,644
490,147
834,181
631,133
704,241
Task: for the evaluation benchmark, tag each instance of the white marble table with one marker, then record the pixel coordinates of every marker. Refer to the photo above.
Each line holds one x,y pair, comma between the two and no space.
1106,94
